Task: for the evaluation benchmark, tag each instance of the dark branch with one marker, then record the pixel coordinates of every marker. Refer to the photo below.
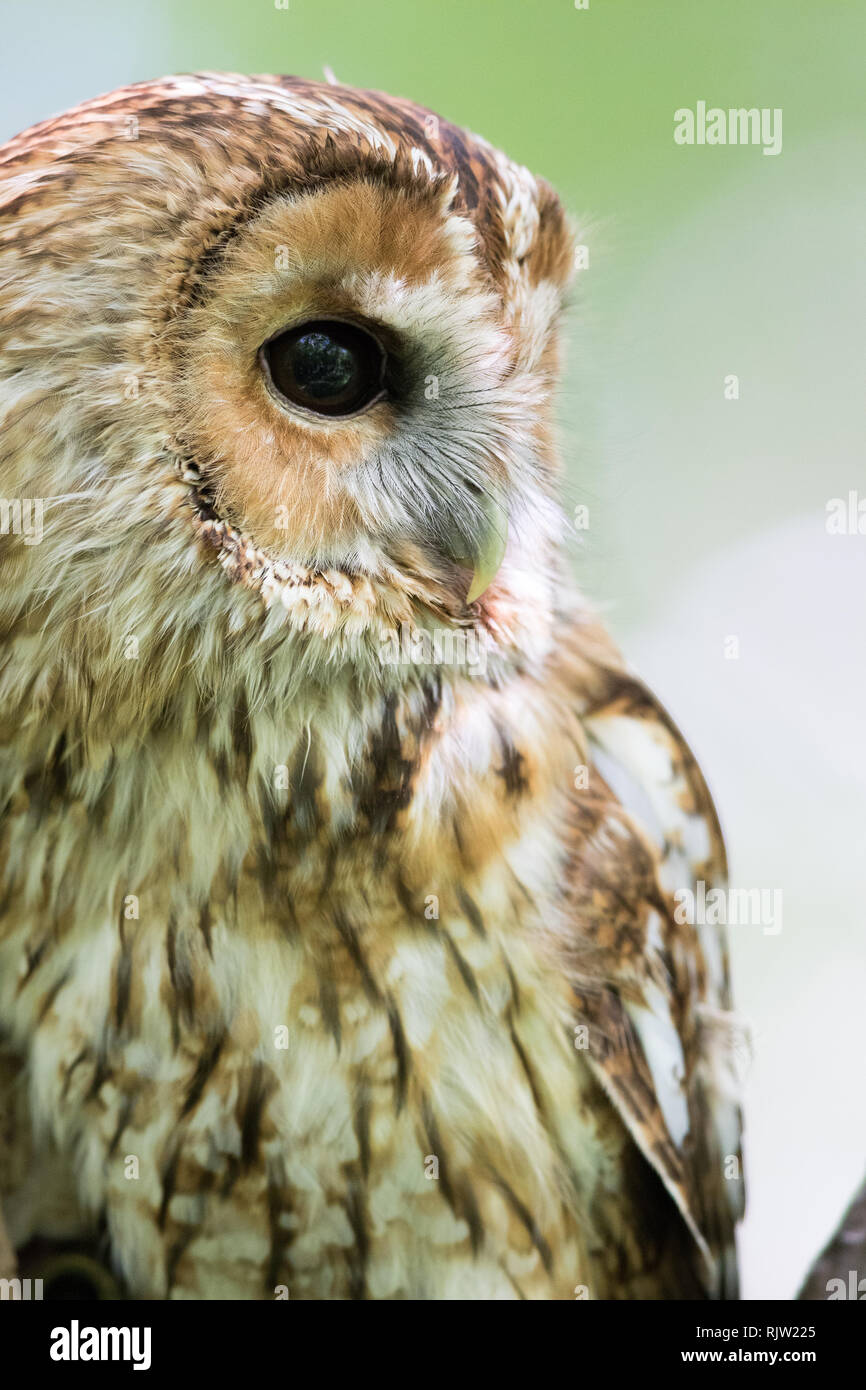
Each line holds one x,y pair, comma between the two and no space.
845,1252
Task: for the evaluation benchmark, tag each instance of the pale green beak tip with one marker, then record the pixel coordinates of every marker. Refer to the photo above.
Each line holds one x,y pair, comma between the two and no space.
490,557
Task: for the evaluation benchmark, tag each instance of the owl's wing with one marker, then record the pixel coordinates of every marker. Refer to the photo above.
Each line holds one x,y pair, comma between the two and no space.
652,987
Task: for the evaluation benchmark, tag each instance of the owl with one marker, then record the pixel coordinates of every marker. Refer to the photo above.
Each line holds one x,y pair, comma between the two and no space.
343,952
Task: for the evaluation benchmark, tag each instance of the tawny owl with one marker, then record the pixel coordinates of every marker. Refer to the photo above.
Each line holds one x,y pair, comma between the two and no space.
340,954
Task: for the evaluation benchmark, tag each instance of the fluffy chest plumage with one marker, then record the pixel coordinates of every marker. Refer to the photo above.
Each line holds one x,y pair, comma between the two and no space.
322,1063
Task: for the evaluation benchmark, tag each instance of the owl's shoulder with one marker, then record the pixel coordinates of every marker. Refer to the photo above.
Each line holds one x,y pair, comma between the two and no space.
651,981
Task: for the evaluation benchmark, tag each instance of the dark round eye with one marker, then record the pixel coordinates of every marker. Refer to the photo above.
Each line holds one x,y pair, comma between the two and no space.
328,367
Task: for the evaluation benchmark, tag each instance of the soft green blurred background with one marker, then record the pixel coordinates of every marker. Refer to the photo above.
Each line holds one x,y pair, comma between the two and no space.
707,516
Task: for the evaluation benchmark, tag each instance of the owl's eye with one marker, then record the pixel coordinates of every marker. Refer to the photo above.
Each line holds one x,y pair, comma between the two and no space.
327,367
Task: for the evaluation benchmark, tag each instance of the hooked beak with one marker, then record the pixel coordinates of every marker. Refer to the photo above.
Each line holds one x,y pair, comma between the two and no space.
489,550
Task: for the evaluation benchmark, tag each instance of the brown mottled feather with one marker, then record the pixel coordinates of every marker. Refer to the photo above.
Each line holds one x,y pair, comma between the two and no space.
294,938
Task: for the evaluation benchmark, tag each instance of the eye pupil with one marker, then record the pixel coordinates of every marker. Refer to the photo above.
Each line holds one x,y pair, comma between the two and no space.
327,367
323,367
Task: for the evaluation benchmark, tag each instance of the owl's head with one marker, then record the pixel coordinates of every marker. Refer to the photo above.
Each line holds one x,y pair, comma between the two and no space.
277,361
